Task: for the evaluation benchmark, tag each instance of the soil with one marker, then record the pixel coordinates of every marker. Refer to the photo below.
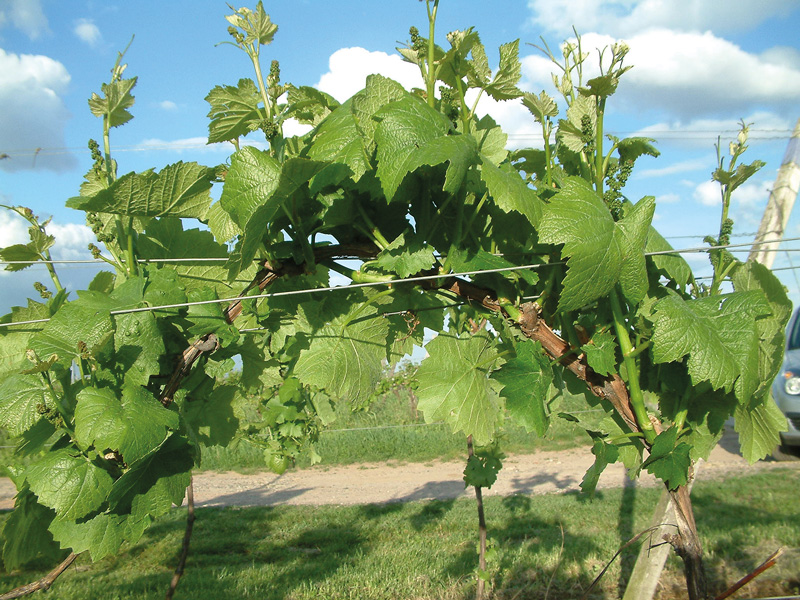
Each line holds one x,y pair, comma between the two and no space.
540,473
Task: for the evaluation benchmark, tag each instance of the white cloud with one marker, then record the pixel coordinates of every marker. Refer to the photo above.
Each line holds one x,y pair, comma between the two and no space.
683,166
688,74
669,198
72,241
87,32
32,113
747,197
13,229
167,105
349,67
193,144
627,17
705,132
708,194
25,15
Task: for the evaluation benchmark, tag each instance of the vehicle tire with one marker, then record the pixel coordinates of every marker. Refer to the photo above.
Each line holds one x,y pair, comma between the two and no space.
785,453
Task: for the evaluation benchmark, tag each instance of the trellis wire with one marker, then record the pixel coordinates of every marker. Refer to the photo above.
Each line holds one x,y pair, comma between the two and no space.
416,279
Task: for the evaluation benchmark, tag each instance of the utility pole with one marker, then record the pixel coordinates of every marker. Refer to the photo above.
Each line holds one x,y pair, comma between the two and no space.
780,204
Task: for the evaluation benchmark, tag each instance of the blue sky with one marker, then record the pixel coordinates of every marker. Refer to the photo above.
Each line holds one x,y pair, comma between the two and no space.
699,67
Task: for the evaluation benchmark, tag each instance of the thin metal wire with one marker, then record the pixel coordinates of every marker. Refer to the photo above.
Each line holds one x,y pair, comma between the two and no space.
224,259
380,283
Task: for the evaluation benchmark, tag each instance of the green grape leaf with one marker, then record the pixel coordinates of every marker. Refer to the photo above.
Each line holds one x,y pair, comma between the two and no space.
570,131
221,224
255,189
17,252
541,107
601,251
68,483
138,344
116,101
526,379
259,368
755,276
179,190
14,339
504,84
132,425
211,415
411,134
209,318
78,321
635,227
233,111
406,258
102,535
337,140
510,192
378,92
481,472
671,265
605,454
454,384
668,460
20,398
717,333
345,357
601,353
25,533
759,426
629,149
309,105
165,238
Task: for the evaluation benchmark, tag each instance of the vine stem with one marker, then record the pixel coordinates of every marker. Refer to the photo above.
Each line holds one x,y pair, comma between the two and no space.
187,537
625,346
42,584
431,83
481,584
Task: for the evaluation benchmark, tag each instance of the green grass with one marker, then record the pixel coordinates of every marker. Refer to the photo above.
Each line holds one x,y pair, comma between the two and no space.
426,550
391,430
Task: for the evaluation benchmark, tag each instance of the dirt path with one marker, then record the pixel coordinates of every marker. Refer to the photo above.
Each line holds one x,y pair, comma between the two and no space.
540,473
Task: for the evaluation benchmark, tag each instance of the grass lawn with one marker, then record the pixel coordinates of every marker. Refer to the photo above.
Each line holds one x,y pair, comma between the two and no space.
547,546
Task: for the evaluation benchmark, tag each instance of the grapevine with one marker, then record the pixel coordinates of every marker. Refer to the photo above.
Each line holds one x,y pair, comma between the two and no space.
114,393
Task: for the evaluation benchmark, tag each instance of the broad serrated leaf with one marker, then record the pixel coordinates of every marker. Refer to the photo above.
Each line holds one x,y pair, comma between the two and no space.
166,239
718,334
345,357
221,224
19,252
759,426
510,192
21,396
509,72
605,454
570,131
115,102
406,258
259,368
629,149
211,416
600,353
102,535
69,483
411,134
542,107
255,188
338,140
14,338
138,344
78,321
132,425
670,264
635,227
454,384
669,460
526,379
209,318
601,251
178,190
233,111
481,471
25,533
602,86
378,92
309,105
